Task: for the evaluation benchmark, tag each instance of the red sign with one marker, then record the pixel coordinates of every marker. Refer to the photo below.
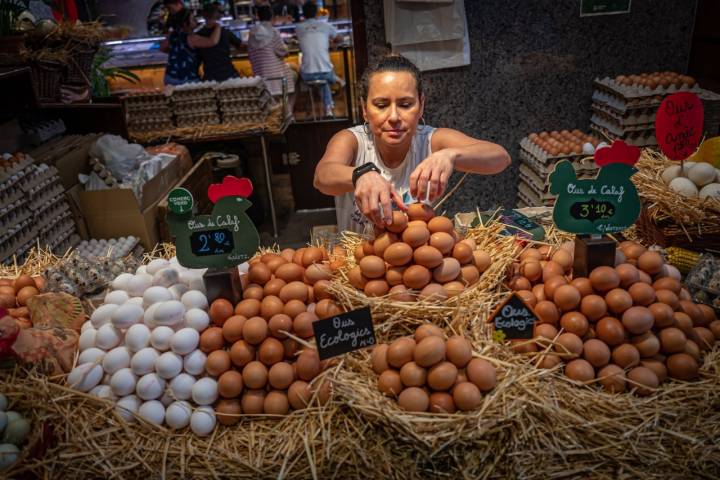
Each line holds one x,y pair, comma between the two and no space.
679,125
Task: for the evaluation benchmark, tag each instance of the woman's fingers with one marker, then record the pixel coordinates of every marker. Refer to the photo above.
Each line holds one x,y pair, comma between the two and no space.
385,207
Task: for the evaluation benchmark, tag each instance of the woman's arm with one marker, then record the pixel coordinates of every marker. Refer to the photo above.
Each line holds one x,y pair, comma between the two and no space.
198,41
453,150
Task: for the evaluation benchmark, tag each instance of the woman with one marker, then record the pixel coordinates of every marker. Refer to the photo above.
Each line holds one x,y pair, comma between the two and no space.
216,62
182,65
390,159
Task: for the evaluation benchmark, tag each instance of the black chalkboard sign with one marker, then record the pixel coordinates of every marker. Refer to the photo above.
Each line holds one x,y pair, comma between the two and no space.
344,333
212,242
514,319
592,210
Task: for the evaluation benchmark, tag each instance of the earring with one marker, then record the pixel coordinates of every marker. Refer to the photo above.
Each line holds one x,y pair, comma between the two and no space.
366,128
422,119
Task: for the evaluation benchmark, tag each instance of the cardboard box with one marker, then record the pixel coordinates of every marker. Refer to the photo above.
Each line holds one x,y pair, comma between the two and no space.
116,212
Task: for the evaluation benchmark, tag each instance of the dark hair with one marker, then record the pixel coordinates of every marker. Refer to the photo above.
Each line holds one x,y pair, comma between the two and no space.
210,9
180,19
391,63
310,9
264,13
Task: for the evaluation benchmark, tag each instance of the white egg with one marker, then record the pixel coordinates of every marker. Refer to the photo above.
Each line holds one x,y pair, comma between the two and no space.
108,337
85,377
160,338
126,406
169,313
142,269
194,362
137,337
181,386
670,271
166,277
123,382
702,173
195,299
684,186
184,341
112,241
155,295
149,315
122,281
152,411
115,359
91,355
88,324
103,391
197,319
202,421
687,166
168,365
135,301
118,297
178,290
150,387
102,314
601,145
143,362
670,174
87,339
197,282
588,148
205,391
126,315
178,414
156,265
9,455
139,283
710,190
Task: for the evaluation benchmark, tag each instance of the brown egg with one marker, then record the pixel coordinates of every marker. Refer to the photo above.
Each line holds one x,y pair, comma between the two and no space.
253,291
593,307
230,384
265,258
462,253
382,242
220,310
318,271
643,381
548,361
596,352
458,351
378,358
563,258
569,345
271,306
610,331
308,364
663,315
531,254
442,376
416,236
7,301
372,266
618,300
302,324
482,374
376,288
299,394
271,351
667,283
287,254
440,224
682,366
427,330
637,320
398,254
400,352
393,276
579,370
276,403
290,272
708,314
566,297
467,396
539,292
552,269
612,378
218,362
552,283
547,312
454,288
327,308
644,277
389,383
531,270
413,375
252,402
469,274
399,222
429,351
626,355
259,274
255,375
255,330
482,260
23,281
420,211
442,241
25,293
272,287
414,399
312,255
321,290
545,330
211,339
356,278
692,349
416,276
686,306
574,322
604,279
296,290
651,262
634,251
647,344
705,338
657,367
523,346
293,308
400,293
684,323
441,402
228,412
241,353
417,223
668,297
281,375
248,308
274,263
642,294
519,283
715,328
232,328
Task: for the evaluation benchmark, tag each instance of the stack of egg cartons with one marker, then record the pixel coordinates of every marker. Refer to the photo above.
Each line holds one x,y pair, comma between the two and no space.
195,104
243,100
148,110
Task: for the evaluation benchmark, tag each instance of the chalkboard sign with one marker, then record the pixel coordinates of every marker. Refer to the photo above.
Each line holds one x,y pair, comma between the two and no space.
514,319
592,210
679,125
344,333
212,242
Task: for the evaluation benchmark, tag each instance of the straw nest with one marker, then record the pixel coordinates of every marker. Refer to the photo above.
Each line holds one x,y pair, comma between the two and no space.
392,315
36,262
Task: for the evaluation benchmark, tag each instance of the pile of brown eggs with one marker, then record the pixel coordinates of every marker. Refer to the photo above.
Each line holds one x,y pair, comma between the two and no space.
420,256
430,373
656,79
628,326
15,293
563,142
259,368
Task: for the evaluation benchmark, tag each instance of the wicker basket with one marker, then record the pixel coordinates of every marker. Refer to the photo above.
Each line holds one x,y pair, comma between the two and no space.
667,233
46,76
80,66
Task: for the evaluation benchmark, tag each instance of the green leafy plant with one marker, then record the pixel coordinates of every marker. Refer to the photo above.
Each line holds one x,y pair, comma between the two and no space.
100,73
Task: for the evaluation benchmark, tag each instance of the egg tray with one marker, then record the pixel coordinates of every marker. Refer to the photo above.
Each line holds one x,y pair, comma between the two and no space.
195,107
530,199
582,165
9,169
639,139
632,92
628,118
244,118
16,180
544,157
135,249
150,125
703,281
182,96
613,125
260,104
197,120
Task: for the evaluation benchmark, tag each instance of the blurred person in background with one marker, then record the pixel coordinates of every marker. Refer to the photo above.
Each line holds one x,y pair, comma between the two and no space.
216,61
182,64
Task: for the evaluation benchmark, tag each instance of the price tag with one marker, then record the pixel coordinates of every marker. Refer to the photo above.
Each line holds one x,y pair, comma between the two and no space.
344,333
212,242
679,125
513,319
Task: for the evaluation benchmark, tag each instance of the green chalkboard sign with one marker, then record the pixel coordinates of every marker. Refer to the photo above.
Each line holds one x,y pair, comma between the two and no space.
603,7
608,203
223,239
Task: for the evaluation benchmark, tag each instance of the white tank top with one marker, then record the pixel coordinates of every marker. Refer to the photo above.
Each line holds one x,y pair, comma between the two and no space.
349,217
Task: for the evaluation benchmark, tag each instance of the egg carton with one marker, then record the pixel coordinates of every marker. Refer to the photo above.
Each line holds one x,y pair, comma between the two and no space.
584,166
639,139
618,128
638,91
261,102
628,117
534,153
196,120
151,126
201,106
244,118
530,198
14,165
113,248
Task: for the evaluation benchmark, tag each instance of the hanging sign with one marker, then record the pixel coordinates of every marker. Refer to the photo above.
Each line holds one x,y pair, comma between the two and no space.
223,239
513,319
606,204
679,125
344,333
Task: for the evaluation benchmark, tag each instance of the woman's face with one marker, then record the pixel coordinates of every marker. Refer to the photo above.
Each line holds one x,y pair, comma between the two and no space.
393,107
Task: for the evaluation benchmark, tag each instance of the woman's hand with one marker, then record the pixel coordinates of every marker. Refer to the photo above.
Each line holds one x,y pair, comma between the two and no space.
430,178
373,195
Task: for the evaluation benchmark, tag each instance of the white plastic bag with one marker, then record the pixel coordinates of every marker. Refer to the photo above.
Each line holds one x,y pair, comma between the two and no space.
119,156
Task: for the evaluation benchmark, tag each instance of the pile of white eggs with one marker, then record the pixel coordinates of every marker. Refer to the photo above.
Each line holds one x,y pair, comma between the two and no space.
113,248
700,180
14,431
140,348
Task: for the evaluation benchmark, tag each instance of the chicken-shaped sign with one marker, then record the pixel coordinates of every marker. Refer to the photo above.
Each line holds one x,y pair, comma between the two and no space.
608,203
223,239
